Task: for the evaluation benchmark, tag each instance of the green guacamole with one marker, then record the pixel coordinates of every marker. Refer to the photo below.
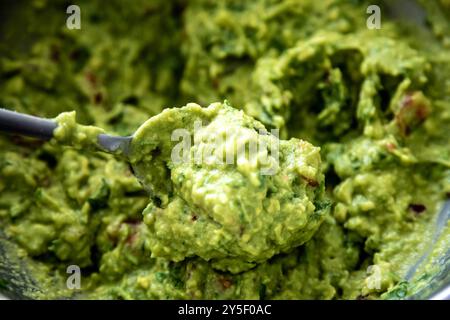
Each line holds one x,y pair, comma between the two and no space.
230,214
238,197
354,199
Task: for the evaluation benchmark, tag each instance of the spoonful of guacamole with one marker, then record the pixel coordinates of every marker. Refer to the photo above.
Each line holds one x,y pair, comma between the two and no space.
221,186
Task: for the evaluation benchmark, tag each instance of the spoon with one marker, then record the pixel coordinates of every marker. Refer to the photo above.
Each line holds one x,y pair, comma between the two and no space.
43,129
225,202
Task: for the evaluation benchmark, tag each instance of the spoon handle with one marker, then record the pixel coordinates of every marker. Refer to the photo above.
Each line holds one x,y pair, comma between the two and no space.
23,124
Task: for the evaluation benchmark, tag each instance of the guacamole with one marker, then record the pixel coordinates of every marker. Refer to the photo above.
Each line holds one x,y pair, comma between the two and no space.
349,211
230,213
70,133
237,197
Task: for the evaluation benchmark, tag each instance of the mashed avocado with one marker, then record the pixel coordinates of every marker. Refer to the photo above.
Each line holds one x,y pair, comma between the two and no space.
376,102
231,214
70,133
239,197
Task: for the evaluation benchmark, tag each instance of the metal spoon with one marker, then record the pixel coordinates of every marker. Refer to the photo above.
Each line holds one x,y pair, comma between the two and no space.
41,128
